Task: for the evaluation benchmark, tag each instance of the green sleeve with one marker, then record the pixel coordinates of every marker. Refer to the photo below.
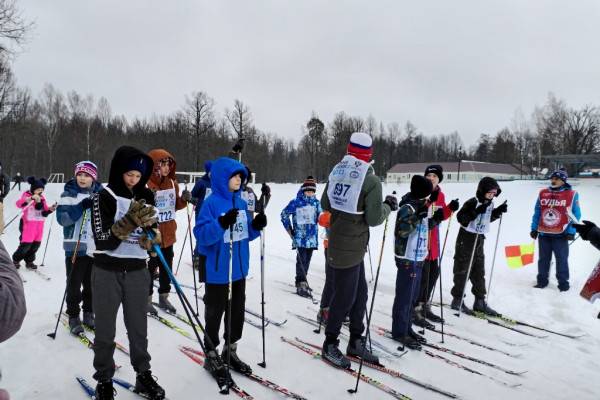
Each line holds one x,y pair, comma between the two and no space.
325,199
375,210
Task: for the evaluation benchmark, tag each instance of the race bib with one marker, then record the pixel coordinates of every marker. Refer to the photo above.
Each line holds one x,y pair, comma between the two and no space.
416,248
240,228
481,224
305,215
165,203
345,184
33,214
250,199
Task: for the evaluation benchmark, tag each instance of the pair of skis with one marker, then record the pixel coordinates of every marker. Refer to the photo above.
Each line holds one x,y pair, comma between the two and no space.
91,392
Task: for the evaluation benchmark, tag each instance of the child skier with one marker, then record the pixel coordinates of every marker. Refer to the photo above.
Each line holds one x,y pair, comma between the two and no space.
304,231
120,212
35,210
552,222
224,210
475,218
167,199
74,209
410,249
440,211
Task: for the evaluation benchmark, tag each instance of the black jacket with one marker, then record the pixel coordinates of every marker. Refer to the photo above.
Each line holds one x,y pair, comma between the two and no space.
4,186
594,237
105,207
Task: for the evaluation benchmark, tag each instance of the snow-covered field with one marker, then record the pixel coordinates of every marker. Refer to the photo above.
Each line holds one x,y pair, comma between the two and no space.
35,367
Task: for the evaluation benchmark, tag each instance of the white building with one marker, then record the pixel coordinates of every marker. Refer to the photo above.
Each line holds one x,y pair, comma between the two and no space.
458,171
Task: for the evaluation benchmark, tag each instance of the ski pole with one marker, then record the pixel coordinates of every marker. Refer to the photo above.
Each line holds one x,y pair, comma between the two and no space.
494,259
47,241
189,233
187,306
181,253
462,297
370,261
18,215
262,283
305,275
362,359
229,294
440,275
73,260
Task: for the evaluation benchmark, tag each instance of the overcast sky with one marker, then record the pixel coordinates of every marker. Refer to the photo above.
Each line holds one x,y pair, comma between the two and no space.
444,65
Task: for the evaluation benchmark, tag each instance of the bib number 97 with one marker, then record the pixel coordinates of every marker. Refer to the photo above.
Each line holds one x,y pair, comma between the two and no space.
341,189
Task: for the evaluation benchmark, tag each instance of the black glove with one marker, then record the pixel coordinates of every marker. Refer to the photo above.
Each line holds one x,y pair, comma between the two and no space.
238,146
481,208
533,234
86,203
570,237
438,215
434,196
454,205
265,190
584,229
259,222
391,201
228,219
422,211
501,209
186,196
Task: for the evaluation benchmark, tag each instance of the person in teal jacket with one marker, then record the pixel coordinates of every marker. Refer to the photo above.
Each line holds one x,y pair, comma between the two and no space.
223,210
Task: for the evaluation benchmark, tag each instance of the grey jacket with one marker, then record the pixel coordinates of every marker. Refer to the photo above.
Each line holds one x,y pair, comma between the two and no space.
12,297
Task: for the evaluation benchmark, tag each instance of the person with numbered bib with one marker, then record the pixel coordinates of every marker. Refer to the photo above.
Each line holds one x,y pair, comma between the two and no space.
475,217
353,195
411,247
74,215
225,225
165,187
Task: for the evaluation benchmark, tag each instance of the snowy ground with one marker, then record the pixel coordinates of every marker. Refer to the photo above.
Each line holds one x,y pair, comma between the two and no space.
35,367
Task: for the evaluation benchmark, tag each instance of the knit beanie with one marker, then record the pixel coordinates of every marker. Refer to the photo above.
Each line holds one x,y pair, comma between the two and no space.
435,169
88,167
560,174
36,183
139,164
420,187
360,146
310,184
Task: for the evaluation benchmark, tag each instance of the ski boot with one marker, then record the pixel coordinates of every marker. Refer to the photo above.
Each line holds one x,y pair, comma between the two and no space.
323,315
303,290
17,264
333,355
357,348
408,342
105,391
165,304
419,319
481,306
75,326
230,354
540,285
420,339
146,383
150,307
30,265
215,366
464,309
89,320
428,314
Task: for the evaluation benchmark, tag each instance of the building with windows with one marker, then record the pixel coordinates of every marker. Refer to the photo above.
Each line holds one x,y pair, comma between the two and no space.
456,171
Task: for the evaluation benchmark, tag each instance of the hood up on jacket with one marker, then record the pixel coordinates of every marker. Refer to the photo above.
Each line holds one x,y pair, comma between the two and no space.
485,185
119,165
221,170
157,155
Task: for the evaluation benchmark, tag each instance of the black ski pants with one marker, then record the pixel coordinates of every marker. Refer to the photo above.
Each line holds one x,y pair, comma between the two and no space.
79,284
462,256
215,306
429,276
26,251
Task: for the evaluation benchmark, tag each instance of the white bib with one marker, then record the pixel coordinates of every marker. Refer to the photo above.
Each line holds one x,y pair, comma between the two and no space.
33,214
345,184
165,202
481,224
240,228
86,232
417,245
250,199
129,248
306,215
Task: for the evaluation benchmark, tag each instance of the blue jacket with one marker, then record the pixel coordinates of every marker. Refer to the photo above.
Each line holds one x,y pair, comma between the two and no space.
201,187
69,211
305,235
576,212
212,239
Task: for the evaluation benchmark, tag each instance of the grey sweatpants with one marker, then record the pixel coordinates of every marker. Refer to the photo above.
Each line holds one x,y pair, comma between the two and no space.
110,289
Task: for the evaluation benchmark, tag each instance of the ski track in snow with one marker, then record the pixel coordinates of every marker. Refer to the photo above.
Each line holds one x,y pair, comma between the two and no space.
36,367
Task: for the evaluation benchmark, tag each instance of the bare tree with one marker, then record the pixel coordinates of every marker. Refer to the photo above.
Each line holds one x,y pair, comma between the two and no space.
13,27
53,113
240,118
199,113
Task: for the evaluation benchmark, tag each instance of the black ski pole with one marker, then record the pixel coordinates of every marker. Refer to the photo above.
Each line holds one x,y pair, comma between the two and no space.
181,253
73,260
187,307
362,359
18,215
229,292
47,241
370,261
462,297
440,276
189,233
304,273
262,287
494,259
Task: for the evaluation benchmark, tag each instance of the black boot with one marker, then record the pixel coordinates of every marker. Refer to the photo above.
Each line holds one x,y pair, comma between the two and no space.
230,353
418,320
215,366
428,314
105,391
420,339
456,304
89,320
75,326
30,265
481,306
332,354
357,348
146,383
408,342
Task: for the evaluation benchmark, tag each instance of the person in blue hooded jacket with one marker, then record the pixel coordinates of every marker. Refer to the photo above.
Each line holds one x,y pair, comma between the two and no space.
304,231
556,208
73,214
222,211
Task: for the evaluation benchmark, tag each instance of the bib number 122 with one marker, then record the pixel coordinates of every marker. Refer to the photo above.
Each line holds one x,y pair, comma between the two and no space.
341,189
